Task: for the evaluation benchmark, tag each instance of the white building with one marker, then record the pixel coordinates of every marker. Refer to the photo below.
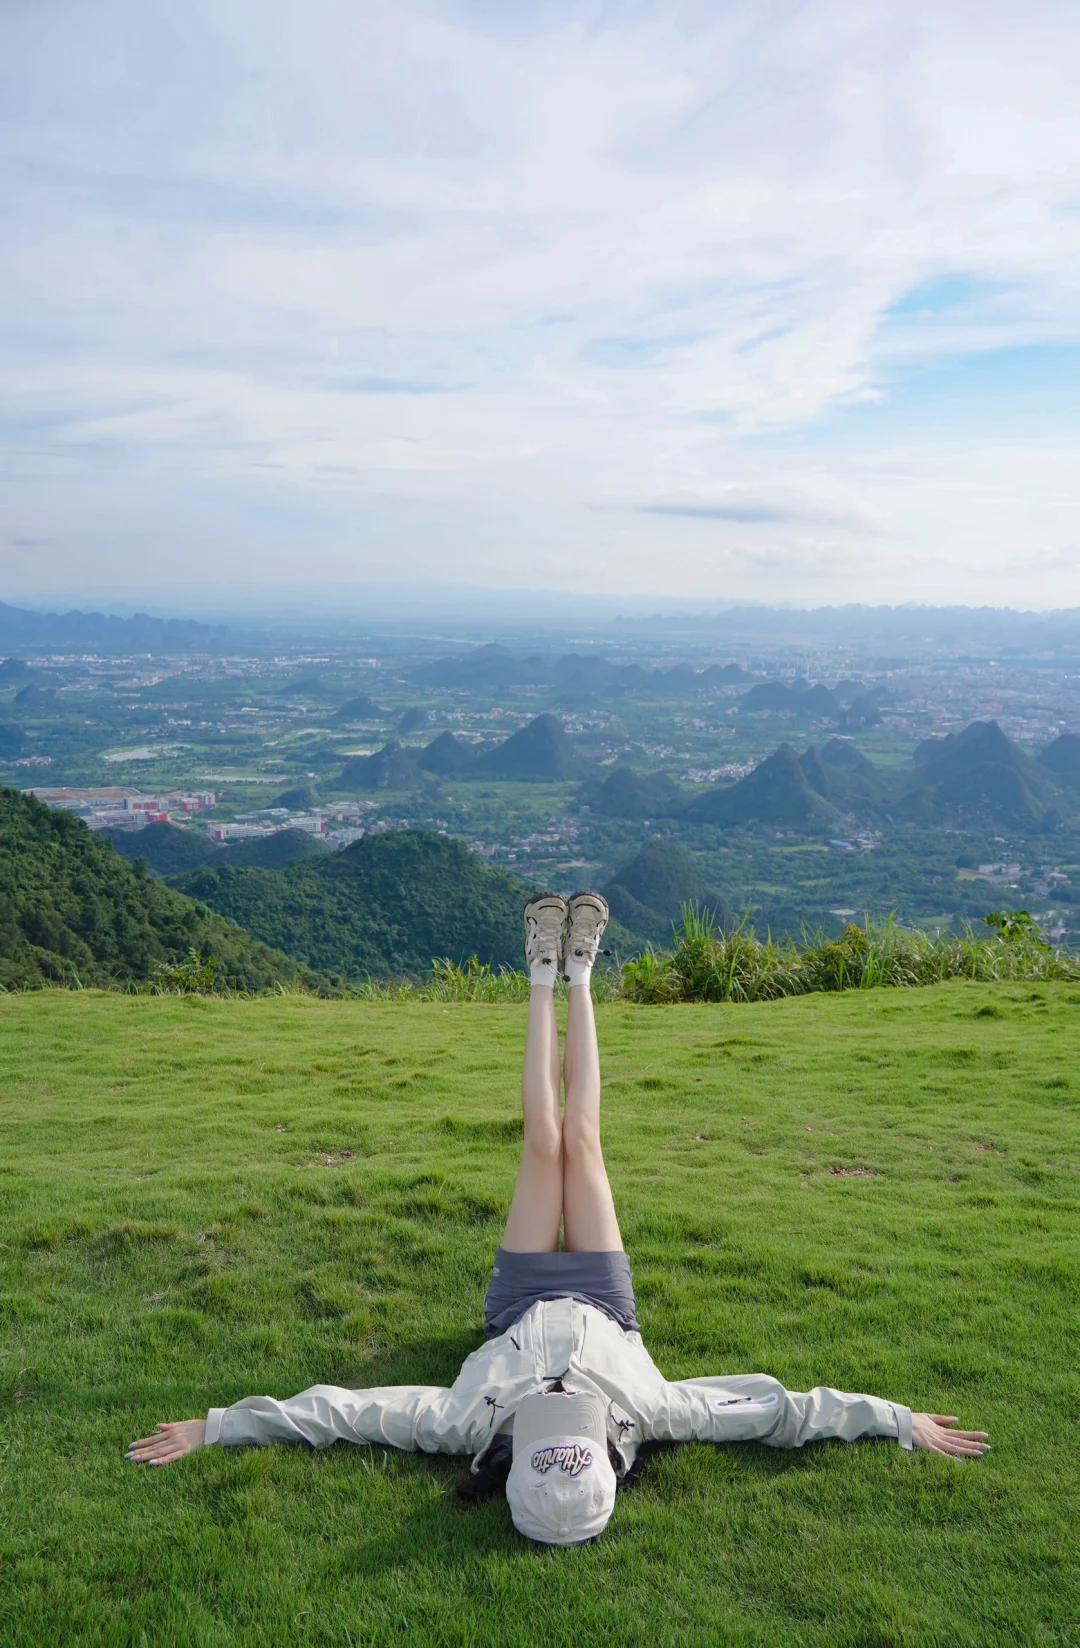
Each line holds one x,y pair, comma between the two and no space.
234,832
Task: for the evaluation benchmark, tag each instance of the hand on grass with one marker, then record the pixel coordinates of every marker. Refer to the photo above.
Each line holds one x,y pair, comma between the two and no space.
172,1441
933,1431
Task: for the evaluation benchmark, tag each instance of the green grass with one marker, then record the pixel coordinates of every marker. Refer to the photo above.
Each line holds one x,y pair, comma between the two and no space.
202,1199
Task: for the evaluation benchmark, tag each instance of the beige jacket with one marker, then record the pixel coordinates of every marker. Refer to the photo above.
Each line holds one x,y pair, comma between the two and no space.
561,1339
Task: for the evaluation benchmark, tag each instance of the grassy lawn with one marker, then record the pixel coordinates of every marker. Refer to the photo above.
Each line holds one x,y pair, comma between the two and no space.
204,1199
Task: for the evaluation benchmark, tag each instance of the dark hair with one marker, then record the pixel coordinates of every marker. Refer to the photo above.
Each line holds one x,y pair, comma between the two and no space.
491,1477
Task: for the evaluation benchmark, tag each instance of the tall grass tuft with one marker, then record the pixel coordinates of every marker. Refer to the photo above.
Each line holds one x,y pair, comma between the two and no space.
705,963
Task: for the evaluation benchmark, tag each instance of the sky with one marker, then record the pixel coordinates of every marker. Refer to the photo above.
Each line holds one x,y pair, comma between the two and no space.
769,301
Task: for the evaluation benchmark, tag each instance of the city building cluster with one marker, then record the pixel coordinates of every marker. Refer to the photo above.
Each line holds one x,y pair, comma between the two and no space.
113,807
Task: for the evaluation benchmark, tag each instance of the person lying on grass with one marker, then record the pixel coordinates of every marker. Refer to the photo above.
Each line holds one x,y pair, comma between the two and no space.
558,1401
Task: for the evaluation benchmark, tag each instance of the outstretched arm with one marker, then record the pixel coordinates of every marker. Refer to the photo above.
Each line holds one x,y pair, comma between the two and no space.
757,1408
427,1418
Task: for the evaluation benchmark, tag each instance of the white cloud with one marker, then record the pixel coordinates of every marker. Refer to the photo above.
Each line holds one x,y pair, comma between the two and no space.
434,282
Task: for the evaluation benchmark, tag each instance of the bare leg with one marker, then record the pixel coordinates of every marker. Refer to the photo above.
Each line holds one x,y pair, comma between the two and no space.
536,1211
588,1207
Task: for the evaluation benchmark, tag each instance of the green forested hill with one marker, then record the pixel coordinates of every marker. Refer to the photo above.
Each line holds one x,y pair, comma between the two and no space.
776,792
167,849
648,894
386,905
171,851
72,910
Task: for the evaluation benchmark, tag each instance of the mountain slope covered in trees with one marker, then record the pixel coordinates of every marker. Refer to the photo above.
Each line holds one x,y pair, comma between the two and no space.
72,911
776,792
539,750
385,905
647,895
171,851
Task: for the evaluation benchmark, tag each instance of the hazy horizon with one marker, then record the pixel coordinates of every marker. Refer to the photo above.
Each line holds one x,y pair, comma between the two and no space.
487,609
674,303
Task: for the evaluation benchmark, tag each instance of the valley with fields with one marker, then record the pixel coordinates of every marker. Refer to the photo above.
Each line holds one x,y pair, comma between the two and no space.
789,778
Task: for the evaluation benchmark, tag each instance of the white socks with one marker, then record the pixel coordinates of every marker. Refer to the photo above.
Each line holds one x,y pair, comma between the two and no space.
543,975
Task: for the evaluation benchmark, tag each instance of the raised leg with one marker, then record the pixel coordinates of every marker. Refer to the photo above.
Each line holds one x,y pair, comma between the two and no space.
588,1206
536,1210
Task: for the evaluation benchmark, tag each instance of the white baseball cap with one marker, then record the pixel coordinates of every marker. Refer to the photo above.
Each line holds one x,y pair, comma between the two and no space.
561,1487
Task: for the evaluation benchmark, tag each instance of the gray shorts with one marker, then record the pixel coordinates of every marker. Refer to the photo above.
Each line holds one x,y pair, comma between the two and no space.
518,1280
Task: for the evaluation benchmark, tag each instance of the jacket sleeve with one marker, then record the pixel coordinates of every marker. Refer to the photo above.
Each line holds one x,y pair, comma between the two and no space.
756,1408
427,1418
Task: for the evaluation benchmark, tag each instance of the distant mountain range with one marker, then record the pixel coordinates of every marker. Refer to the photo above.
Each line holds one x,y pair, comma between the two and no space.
540,750
491,668
850,705
900,632
978,776
799,698
582,681
20,627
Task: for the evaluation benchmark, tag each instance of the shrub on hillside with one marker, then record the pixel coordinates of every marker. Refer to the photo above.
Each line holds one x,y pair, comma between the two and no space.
193,976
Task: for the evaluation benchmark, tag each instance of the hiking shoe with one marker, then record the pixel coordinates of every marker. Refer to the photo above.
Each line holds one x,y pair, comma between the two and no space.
587,916
545,918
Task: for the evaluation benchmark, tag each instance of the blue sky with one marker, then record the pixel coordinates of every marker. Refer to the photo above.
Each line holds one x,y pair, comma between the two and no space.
655,299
